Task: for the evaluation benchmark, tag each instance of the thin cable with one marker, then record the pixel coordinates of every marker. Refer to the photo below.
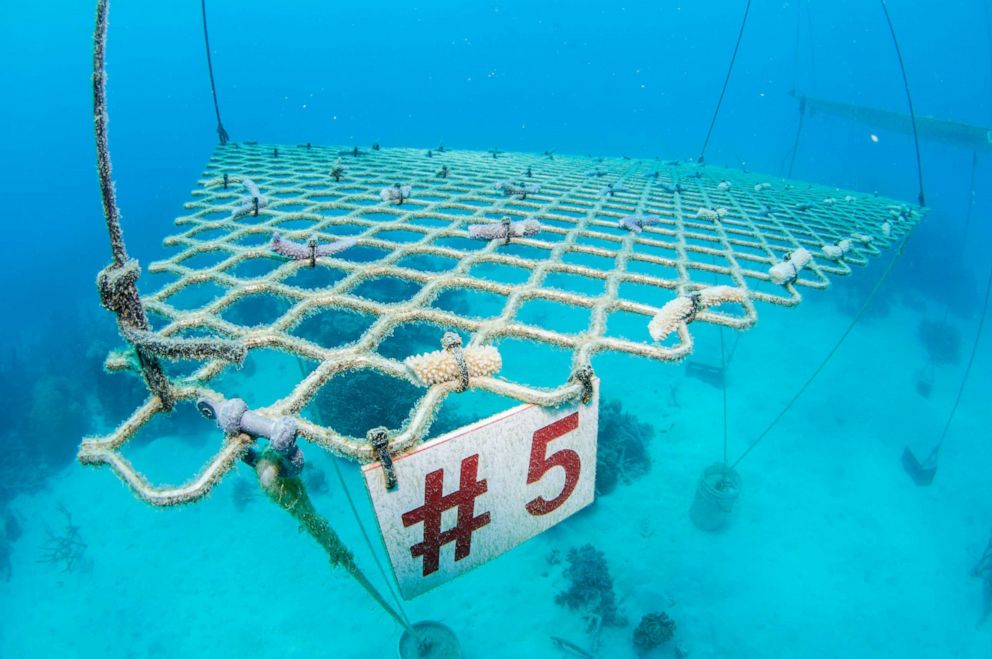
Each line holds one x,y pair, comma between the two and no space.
726,81
723,383
909,100
833,351
221,133
361,527
799,132
967,371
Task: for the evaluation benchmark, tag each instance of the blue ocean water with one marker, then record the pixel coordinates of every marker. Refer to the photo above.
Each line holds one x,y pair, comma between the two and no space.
833,550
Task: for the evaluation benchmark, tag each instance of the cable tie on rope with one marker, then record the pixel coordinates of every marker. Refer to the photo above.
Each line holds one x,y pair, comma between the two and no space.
787,272
684,308
396,192
311,249
379,439
584,375
234,418
550,155
453,363
443,172
504,230
452,343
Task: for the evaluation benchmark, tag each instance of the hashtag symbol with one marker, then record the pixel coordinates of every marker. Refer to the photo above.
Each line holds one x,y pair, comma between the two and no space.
436,502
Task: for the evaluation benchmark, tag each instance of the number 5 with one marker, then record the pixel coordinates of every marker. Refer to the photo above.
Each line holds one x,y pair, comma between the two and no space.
567,459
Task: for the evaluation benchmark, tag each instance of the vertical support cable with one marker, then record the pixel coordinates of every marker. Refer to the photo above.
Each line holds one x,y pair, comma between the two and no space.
110,210
221,133
117,282
726,81
909,100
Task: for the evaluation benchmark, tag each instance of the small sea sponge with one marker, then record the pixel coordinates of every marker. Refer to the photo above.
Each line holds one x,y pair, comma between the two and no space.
787,271
654,629
442,365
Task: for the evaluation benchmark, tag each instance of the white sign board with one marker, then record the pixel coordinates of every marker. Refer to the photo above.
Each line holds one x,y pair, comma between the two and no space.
468,496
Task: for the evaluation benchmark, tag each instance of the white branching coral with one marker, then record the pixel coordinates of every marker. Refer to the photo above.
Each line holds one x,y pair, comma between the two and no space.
398,193
837,252
787,271
251,202
442,365
684,308
503,230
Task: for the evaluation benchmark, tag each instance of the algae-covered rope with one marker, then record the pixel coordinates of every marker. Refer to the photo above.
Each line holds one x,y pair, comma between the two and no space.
221,133
909,101
726,81
110,211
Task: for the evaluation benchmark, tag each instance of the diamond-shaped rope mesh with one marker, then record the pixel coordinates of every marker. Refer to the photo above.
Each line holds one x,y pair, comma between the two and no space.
749,223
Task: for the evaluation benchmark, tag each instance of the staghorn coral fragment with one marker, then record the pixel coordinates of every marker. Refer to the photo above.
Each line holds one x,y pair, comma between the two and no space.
441,366
723,186
611,189
252,202
787,271
886,229
517,189
503,230
636,223
398,193
684,308
311,249
758,187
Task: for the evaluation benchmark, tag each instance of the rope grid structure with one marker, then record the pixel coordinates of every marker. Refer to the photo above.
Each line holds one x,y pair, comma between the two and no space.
636,234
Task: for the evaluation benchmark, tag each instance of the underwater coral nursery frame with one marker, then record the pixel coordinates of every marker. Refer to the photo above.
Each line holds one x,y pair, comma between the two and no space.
642,233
